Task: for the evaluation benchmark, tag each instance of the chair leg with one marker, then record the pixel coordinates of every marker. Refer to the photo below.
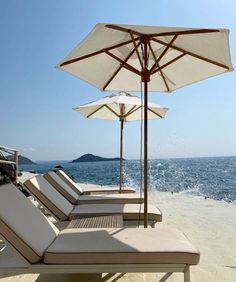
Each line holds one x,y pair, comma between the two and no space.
165,277
153,224
187,274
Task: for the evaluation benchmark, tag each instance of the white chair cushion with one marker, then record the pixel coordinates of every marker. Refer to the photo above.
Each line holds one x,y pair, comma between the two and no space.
44,191
105,189
61,186
128,245
24,224
110,199
70,182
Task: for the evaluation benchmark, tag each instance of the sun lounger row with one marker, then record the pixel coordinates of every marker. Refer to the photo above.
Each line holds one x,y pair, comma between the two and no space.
44,249
79,190
63,210
77,198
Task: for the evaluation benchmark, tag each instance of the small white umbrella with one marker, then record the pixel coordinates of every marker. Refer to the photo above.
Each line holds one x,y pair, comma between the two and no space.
122,107
120,57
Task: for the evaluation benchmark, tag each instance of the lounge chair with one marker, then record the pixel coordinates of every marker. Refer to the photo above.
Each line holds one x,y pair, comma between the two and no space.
90,189
75,198
41,248
63,210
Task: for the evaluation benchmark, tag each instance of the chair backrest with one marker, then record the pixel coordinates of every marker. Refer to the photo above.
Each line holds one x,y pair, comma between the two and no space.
69,181
61,186
42,190
23,225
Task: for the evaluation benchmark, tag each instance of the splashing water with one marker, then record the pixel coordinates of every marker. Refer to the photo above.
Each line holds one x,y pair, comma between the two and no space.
211,177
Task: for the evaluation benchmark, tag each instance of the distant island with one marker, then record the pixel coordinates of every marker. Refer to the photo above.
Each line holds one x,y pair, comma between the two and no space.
93,158
21,160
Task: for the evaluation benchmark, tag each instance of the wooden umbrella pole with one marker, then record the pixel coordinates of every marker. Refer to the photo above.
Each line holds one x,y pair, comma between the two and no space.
145,79
145,159
121,154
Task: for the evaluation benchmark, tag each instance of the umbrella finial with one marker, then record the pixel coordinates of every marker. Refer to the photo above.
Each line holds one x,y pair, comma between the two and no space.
124,93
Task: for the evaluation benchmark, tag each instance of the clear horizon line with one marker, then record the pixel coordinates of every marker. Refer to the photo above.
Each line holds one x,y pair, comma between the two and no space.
137,159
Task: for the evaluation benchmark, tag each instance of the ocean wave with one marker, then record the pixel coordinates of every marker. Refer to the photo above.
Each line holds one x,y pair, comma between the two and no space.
208,177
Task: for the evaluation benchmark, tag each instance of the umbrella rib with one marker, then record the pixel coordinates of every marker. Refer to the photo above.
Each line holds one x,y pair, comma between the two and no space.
120,67
163,53
170,62
88,116
125,65
183,32
161,72
149,109
103,106
192,54
164,79
96,53
119,28
155,113
132,110
136,49
110,109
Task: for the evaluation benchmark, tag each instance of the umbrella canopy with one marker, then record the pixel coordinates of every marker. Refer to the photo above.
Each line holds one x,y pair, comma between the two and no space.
122,107
120,57
111,56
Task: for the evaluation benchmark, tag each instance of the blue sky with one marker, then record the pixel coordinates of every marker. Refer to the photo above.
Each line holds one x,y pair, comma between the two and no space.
37,99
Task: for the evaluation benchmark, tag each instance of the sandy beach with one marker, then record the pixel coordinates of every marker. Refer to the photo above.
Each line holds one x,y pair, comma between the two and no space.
209,224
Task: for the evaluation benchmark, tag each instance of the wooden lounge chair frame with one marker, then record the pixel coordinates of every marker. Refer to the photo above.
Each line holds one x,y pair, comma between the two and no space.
22,266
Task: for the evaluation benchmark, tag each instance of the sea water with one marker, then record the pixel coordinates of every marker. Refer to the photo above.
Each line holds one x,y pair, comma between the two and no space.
208,177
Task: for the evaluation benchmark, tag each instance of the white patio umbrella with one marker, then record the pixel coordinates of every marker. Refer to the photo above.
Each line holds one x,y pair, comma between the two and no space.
120,57
121,107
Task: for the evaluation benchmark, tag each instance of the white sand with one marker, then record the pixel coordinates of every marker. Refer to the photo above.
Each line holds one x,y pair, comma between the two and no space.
209,224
